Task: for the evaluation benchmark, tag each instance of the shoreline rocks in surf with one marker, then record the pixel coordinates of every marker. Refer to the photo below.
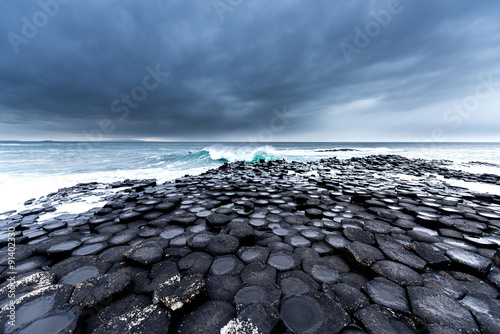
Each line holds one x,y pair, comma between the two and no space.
248,248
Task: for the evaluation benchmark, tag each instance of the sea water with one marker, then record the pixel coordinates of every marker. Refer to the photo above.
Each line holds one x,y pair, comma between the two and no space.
33,169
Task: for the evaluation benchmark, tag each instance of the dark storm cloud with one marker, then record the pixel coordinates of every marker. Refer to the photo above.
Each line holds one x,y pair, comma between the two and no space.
230,63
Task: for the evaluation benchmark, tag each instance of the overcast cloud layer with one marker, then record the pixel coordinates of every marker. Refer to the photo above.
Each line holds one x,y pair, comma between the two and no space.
250,69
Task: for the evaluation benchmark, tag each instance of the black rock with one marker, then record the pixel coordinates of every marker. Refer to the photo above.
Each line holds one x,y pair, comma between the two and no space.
223,244
35,305
356,234
375,321
387,294
283,261
296,282
195,263
444,283
208,318
485,310
115,309
123,237
440,309
240,326
226,265
363,254
97,289
200,240
397,272
217,219
401,255
322,271
253,254
313,313
160,273
433,257
263,315
470,261
257,294
129,216
113,254
176,295
258,273
222,288
145,254
64,247
89,249
350,298
149,319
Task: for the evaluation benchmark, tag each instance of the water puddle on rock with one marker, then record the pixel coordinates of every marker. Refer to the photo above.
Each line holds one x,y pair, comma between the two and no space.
80,275
301,314
222,266
281,261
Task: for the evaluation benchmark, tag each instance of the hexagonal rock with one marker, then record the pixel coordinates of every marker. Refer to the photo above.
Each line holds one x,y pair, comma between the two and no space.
123,237
469,260
208,318
314,213
257,294
217,219
177,294
436,329
440,309
223,244
165,206
356,234
399,254
63,247
485,310
443,282
322,271
222,288
313,312
264,315
387,294
296,282
433,257
226,265
195,263
97,289
283,261
297,220
364,254
253,254
375,321
397,272
200,240
258,273
116,309
350,298
149,319
144,254
129,216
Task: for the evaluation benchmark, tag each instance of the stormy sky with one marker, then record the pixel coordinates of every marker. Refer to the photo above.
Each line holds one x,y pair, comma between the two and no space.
246,70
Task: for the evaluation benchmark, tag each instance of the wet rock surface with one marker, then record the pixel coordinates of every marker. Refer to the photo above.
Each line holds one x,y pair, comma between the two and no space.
332,246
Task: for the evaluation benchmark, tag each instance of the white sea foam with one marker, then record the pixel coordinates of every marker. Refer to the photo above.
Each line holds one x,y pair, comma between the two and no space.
242,153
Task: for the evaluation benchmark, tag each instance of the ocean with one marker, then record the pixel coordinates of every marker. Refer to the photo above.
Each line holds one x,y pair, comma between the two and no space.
34,169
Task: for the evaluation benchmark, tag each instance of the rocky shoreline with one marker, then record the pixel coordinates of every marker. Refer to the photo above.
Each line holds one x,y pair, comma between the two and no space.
331,246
